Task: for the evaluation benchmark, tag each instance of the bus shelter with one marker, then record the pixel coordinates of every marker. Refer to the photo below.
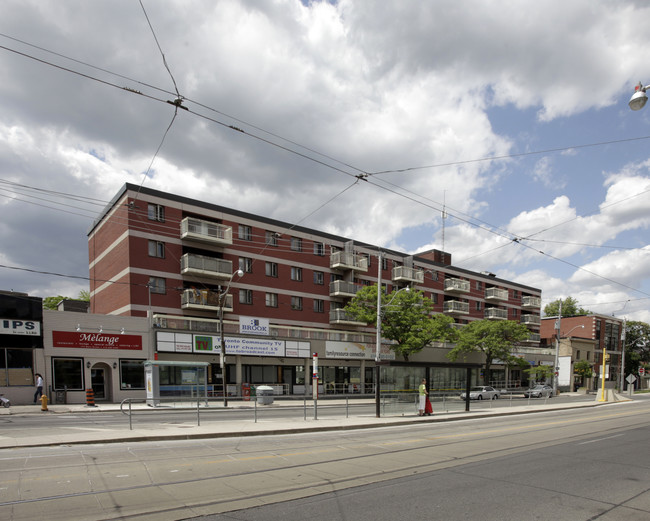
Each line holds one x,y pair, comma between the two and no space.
169,379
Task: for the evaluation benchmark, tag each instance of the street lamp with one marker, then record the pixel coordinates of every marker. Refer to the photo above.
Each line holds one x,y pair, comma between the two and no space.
222,301
639,98
378,341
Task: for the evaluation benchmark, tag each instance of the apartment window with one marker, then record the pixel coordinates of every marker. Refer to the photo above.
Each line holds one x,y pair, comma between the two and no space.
578,354
514,312
296,303
479,285
515,294
157,249
272,238
384,263
319,306
245,233
155,212
157,285
131,374
245,296
271,269
246,264
319,249
271,300
319,277
434,298
296,243
296,273
587,356
434,275
478,305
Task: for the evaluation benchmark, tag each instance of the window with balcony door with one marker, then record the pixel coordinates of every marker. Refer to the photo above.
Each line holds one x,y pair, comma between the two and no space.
157,249
246,264
245,233
271,269
245,296
296,243
272,238
156,212
271,300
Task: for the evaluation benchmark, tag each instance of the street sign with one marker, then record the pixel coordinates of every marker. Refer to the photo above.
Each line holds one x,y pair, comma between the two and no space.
641,371
631,379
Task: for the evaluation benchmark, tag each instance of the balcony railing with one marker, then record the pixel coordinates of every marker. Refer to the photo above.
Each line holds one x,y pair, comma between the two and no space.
496,294
204,299
205,231
340,316
534,338
530,320
342,288
404,274
457,285
496,314
204,266
348,261
455,307
531,302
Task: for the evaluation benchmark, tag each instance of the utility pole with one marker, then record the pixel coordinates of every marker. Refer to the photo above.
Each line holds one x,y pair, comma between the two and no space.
556,371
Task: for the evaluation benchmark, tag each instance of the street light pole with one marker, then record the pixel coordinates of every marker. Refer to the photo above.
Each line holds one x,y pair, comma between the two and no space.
639,98
222,361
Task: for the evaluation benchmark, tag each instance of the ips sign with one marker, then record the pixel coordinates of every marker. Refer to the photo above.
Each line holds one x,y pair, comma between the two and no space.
10,326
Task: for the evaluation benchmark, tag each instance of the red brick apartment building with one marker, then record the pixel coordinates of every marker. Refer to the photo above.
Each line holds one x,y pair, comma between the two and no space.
586,337
170,257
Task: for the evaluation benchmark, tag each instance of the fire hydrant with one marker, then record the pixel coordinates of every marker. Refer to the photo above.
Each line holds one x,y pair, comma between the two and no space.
44,403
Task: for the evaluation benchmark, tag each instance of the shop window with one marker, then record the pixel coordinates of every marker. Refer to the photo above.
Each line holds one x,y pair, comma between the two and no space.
67,373
131,374
16,367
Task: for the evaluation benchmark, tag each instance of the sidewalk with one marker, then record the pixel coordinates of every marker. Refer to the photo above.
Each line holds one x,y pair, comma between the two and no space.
91,433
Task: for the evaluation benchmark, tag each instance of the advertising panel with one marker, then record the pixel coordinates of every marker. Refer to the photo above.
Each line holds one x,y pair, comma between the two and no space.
253,326
356,351
12,326
71,339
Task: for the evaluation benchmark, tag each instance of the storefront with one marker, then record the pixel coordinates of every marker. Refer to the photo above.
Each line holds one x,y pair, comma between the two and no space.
21,345
104,354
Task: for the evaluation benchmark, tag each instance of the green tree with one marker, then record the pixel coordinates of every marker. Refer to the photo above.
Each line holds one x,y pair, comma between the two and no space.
570,308
406,319
540,373
583,368
84,295
52,302
637,345
495,339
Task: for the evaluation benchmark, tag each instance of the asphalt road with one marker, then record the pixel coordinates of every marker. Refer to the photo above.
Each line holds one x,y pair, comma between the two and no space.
579,464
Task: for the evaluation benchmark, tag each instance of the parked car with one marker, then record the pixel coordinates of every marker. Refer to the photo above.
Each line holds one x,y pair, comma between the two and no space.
539,391
482,392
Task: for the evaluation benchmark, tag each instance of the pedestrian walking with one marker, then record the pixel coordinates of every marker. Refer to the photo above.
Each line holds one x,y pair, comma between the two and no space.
39,387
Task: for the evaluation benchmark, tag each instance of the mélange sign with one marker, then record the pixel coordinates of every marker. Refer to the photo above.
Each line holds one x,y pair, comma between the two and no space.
96,341
12,326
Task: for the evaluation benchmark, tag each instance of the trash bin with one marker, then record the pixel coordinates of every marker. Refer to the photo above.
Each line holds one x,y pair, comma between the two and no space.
264,394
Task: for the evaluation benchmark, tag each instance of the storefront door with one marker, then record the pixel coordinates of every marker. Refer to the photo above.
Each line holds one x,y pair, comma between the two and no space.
98,382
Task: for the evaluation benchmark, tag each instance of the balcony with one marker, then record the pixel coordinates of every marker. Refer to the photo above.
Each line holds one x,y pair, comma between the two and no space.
340,316
531,302
532,320
495,314
496,294
206,231
455,307
534,338
457,285
404,274
348,261
204,299
203,266
342,288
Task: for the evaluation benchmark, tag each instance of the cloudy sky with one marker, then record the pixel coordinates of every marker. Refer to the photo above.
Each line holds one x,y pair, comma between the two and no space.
359,118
